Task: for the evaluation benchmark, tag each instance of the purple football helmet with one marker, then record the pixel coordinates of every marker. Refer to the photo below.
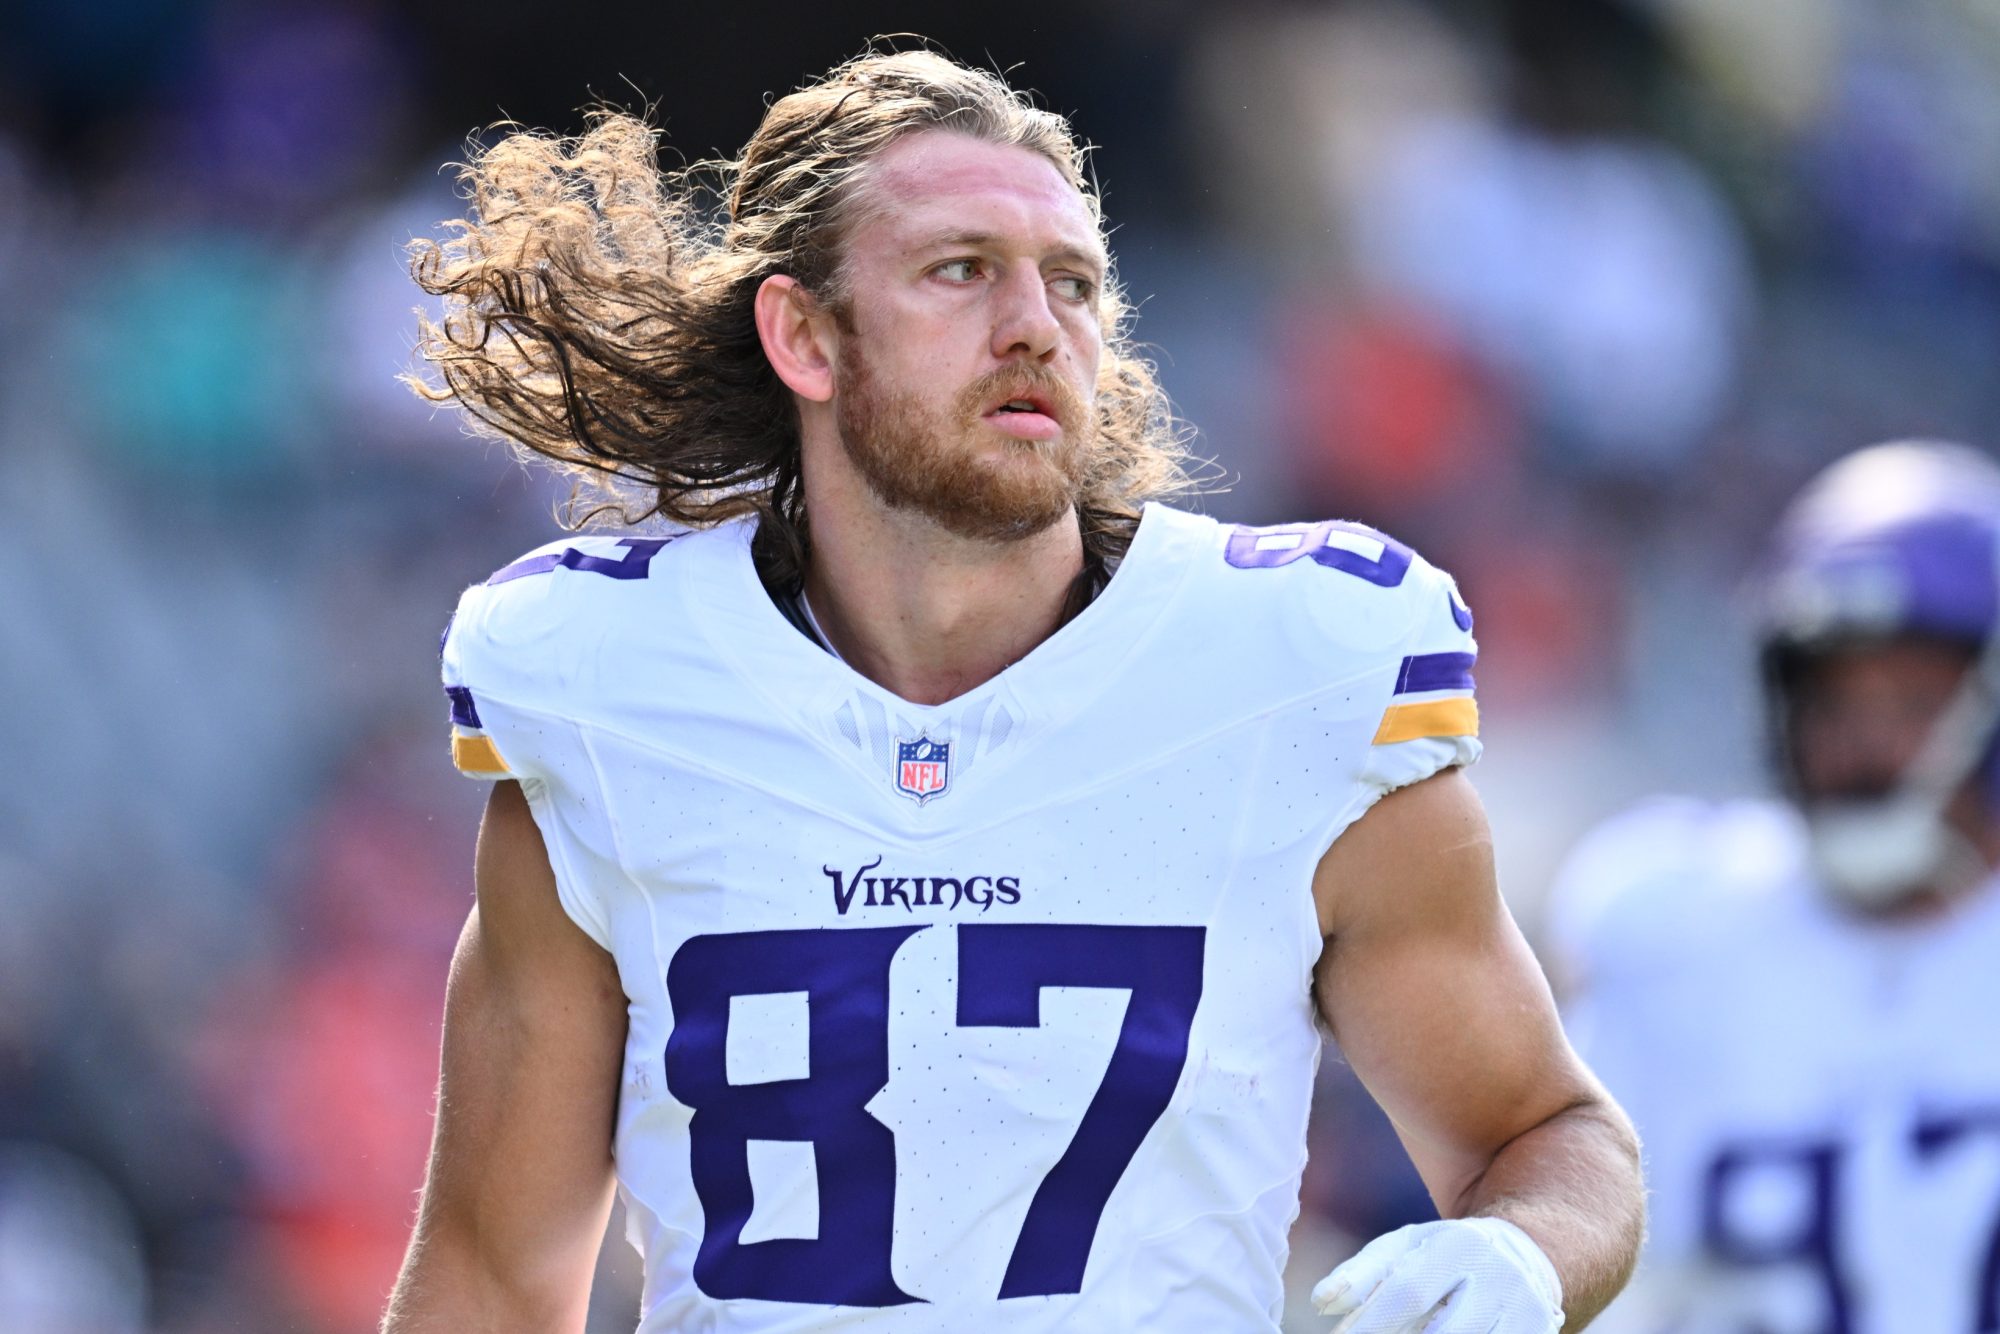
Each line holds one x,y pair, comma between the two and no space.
1898,540
1894,539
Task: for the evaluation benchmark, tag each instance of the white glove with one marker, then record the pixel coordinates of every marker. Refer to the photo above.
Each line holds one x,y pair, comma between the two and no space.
1464,1276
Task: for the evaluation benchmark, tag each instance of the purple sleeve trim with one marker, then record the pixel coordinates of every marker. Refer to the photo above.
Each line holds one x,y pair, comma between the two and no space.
1435,671
634,564
462,711
1461,615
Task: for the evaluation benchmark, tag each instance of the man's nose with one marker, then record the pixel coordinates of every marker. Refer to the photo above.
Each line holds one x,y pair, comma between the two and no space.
1025,321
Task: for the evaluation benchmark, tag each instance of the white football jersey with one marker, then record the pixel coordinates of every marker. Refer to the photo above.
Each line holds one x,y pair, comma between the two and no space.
1818,1094
993,1015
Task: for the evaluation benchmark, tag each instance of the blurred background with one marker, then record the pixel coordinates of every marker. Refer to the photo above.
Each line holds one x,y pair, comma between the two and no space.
1570,296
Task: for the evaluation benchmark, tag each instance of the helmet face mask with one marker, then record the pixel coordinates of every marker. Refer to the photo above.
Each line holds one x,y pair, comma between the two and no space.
1875,855
1856,719
1882,667
1853,716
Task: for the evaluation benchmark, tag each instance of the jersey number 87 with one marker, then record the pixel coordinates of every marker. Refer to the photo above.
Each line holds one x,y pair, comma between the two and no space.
844,975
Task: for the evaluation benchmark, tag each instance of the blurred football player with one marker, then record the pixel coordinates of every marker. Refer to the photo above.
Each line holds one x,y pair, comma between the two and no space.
920,868
1796,1001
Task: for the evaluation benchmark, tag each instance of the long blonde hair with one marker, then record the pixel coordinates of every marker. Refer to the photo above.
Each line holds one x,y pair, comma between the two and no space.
599,316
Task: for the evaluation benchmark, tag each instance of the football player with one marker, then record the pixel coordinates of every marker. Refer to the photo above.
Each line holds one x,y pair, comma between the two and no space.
920,869
1796,999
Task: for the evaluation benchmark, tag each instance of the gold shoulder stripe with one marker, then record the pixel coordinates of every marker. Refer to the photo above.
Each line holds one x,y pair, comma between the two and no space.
478,755
1437,717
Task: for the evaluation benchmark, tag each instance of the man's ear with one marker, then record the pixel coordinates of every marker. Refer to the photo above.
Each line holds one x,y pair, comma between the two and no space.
797,337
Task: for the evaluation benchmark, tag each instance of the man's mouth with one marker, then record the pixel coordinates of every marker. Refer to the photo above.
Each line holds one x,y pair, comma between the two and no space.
1028,403
1027,417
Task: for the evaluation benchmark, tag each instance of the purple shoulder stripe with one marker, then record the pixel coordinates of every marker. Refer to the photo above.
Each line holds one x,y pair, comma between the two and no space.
1461,615
634,564
1435,671
462,711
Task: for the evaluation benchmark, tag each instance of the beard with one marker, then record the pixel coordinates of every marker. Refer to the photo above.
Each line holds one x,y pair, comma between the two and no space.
922,460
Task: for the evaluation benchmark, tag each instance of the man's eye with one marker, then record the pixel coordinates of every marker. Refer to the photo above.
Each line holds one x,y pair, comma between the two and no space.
959,270
1074,289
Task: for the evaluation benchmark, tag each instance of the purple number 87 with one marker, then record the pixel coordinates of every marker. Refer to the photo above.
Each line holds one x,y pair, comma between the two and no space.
1353,547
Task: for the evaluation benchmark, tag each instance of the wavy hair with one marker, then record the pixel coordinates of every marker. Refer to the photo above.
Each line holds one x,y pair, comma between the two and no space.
598,312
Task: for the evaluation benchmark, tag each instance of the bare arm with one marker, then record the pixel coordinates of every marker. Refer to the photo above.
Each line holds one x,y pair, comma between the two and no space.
519,1184
1444,1014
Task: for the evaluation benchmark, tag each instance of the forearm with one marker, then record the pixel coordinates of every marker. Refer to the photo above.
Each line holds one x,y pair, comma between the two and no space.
447,1286
1574,1184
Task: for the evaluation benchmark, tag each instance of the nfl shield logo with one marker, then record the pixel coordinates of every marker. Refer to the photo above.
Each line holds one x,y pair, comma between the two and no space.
923,768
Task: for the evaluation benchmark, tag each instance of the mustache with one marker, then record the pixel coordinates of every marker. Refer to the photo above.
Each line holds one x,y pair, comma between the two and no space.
1065,403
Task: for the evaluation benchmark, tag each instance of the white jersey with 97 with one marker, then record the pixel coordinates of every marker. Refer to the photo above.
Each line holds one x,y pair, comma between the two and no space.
1818,1093
992,1015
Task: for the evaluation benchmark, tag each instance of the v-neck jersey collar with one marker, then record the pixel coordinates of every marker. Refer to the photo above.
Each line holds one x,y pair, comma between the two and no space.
737,614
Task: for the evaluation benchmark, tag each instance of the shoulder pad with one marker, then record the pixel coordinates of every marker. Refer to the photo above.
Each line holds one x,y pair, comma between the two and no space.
519,639
1370,609
1651,882
1365,591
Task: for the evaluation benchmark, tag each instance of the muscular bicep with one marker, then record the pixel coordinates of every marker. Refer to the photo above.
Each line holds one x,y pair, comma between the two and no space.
1430,989
521,1171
